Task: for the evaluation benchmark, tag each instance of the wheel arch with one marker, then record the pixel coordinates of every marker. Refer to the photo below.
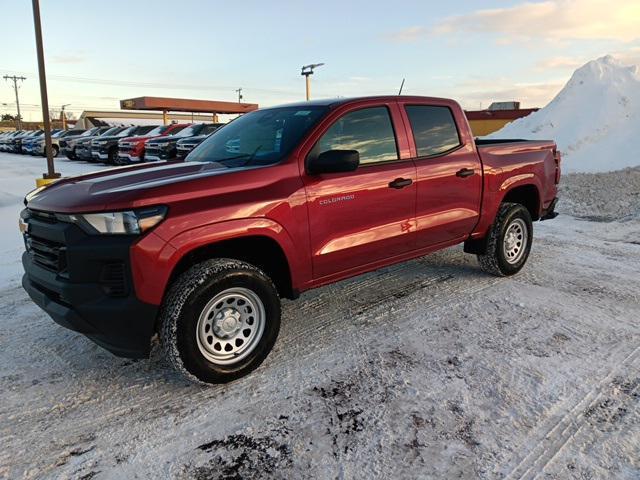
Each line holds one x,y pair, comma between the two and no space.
526,194
259,250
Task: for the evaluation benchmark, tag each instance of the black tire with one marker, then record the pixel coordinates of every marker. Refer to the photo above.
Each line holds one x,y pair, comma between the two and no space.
495,261
72,155
113,157
187,301
54,149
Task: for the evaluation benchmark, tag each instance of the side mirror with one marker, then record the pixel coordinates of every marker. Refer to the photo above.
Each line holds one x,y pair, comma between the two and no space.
334,161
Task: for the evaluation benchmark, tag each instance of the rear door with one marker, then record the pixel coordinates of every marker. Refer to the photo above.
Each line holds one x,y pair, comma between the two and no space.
449,173
362,217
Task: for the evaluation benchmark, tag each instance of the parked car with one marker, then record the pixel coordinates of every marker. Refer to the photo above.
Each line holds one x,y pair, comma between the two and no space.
68,146
30,144
277,202
38,147
83,147
105,148
5,141
165,148
15,144
132,150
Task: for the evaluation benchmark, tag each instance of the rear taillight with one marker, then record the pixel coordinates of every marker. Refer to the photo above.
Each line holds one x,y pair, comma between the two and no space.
556,157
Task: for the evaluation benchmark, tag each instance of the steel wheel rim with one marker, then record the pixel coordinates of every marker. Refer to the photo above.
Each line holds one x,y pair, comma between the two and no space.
514,242
230,326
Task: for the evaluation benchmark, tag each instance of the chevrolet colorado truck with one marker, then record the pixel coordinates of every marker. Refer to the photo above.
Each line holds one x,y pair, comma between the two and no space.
279,201
133,149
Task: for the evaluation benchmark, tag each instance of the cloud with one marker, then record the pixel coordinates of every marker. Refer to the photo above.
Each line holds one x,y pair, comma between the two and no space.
559,63
557,20
530,95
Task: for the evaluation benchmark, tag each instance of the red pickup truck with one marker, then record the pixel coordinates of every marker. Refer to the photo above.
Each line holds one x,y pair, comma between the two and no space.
279,201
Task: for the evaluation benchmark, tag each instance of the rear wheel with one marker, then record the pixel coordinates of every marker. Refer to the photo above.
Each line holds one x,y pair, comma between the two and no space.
219,321
508,242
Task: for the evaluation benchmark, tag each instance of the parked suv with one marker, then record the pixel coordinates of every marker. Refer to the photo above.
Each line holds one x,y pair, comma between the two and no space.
185,145
38,146
132,150
83,147
105,148
165,148
279,201
68,146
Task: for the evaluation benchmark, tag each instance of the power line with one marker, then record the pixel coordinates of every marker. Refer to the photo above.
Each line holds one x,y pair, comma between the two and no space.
126,83
15,87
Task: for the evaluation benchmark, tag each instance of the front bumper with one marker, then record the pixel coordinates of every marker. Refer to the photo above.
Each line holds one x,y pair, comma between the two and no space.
128,158
85,284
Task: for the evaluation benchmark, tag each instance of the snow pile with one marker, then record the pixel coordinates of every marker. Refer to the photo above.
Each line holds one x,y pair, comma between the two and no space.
595,119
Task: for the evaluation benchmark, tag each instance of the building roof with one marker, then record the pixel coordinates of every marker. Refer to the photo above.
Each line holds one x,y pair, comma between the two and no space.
186,105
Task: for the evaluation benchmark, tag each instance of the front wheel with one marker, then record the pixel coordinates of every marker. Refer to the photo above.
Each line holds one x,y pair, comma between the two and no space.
219,321
508,242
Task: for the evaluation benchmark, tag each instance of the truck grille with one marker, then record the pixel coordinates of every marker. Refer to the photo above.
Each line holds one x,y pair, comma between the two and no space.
46,253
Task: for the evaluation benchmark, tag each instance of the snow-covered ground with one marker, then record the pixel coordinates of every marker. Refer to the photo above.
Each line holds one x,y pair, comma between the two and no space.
595,118
427,369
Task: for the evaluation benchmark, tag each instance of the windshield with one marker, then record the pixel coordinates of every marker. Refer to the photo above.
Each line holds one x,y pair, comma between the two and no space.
159,130
110,131
188,132
177,130
90,132
126,132
262,137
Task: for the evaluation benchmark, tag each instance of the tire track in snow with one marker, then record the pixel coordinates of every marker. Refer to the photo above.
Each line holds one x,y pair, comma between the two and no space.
559,432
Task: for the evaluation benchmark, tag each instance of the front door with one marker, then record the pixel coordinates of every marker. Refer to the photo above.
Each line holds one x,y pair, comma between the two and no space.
361,217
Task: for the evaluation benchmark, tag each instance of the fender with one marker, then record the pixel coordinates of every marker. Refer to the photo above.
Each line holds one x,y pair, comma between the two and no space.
493,199
152,270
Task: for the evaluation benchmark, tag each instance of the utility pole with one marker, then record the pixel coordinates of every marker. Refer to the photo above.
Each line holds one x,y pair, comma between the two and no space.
239,90
64,117
51,174
15,87
307,71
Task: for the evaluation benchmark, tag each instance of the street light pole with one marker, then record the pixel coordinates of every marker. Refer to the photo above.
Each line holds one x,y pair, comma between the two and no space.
51,173
307,71
64,116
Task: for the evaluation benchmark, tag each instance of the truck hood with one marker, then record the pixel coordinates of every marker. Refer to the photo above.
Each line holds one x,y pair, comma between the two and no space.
121,187
197,138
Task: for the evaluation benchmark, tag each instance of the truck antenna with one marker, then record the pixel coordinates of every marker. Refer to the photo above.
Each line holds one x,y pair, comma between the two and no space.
401,85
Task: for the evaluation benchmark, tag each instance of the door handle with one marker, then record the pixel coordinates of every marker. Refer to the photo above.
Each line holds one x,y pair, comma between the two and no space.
465,172
400,183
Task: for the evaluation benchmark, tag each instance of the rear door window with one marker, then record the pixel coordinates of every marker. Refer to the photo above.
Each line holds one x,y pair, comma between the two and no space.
434,129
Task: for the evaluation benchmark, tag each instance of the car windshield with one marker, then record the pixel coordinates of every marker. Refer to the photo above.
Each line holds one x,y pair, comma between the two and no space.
127,132
190,131
178,130
263,137
90,132
159,130
110,131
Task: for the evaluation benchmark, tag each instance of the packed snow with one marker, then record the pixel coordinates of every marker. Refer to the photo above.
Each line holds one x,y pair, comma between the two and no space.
595,119
426,369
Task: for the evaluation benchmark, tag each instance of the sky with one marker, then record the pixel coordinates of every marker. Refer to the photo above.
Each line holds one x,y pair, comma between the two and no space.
98,53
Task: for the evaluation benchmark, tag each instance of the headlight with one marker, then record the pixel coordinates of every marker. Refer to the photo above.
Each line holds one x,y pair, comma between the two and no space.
130,222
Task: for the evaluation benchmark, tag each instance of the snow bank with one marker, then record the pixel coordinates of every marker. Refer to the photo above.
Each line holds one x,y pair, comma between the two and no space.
18,178
595,119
